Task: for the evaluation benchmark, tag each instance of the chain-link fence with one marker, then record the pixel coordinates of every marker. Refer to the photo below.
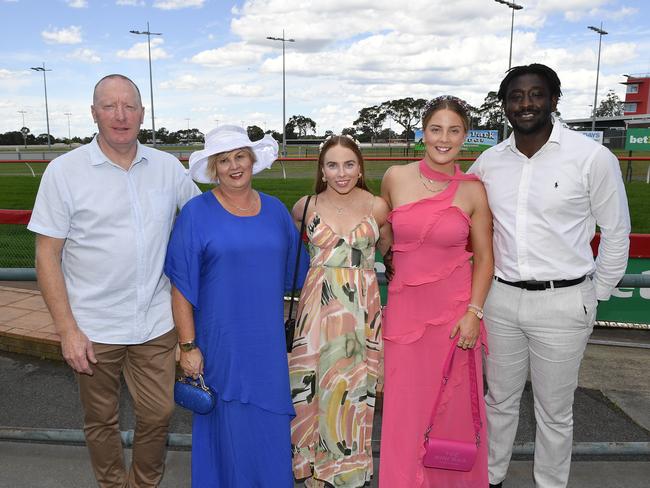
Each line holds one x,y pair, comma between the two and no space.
16,242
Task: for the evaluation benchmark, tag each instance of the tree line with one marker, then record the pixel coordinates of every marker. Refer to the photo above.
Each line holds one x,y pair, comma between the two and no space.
369,126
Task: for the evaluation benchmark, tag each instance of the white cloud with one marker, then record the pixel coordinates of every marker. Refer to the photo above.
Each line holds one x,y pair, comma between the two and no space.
86,55
234,54
11,80
6,74
240,90
177,4
140,50
130,3
69,35
183,83
77,3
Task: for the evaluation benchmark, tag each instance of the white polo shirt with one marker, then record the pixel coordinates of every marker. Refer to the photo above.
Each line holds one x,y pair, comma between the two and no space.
546,208
116,224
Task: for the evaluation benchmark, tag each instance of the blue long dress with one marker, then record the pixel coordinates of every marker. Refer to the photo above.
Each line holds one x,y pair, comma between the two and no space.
234,271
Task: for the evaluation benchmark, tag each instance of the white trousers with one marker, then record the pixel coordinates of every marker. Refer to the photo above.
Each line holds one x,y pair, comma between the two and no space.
546,331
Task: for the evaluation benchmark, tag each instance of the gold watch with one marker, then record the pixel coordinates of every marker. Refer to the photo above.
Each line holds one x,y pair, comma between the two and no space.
187,346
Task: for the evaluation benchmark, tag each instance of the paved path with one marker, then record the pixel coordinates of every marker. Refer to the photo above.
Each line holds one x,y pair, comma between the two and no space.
612,405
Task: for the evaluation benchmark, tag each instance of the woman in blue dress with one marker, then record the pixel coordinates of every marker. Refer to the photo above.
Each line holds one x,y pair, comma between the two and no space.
230,259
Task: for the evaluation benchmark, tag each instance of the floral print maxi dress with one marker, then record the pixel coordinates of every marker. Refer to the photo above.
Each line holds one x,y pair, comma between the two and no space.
335,363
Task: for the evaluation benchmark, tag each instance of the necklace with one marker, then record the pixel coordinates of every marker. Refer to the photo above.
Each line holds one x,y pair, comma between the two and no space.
426,182
241,209
339,210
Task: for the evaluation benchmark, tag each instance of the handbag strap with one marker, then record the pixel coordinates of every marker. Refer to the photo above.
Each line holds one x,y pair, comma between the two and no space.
295,269
474,399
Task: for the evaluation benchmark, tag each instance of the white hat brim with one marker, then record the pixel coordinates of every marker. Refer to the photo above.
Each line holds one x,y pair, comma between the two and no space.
229,138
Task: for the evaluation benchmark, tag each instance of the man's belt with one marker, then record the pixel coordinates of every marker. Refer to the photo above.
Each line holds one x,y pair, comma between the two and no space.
533,285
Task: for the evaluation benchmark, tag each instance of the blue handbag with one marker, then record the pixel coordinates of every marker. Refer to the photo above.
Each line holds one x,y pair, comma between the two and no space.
194,395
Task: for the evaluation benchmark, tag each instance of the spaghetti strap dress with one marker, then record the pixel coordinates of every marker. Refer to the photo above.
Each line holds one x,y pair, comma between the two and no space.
427,296
335,363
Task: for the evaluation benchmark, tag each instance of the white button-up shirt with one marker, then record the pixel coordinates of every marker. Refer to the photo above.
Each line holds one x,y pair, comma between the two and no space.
116,225
546,208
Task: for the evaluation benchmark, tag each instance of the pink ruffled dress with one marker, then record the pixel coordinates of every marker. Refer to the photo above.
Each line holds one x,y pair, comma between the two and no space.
427,296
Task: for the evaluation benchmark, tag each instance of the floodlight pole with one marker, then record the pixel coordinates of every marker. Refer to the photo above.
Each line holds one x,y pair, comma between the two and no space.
600,33
68,114
23,112
513,6
47,114
149,34
284,115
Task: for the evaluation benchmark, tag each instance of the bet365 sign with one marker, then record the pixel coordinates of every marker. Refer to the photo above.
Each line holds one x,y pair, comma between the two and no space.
637,140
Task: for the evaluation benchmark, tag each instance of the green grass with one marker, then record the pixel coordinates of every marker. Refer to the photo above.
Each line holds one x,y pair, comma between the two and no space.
19,192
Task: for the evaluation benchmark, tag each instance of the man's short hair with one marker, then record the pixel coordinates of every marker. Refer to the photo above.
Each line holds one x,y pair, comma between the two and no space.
122,77
543,71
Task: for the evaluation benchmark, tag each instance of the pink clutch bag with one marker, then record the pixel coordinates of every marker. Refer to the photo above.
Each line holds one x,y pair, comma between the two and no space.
447,453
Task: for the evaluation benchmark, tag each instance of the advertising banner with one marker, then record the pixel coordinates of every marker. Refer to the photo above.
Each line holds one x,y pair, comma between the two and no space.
480,140
637,140
596,135
628,305
477,140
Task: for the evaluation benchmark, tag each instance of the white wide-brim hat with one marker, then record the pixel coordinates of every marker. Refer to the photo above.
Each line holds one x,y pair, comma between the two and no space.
228,138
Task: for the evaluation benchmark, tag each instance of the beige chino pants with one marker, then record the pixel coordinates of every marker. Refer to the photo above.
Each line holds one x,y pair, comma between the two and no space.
545,332
149,371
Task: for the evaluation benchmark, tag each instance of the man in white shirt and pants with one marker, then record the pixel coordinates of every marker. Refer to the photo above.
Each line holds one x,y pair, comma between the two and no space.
547,187
103,215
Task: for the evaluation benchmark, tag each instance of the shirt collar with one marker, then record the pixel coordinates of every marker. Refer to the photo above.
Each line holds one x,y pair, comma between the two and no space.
97,156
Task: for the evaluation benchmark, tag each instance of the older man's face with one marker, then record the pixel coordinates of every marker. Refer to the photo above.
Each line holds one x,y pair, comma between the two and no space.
118,113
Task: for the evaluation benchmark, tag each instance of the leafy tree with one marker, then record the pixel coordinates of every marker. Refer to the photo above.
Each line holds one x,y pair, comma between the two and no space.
610,106
329,133
406,112
388,134
302,124
491,113
290,130
162,135
276,135
370,122
349,131
42,139
255,133
12,138
144,136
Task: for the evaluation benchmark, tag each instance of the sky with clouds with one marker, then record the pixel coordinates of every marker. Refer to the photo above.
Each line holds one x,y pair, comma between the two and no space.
213,64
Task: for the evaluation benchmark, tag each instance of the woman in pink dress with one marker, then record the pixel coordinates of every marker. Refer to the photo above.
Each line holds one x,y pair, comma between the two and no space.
435,296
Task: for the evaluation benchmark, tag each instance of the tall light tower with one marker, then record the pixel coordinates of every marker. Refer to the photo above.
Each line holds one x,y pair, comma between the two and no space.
68,114
22,129
47,114
513,6
148,33
284,40
600,33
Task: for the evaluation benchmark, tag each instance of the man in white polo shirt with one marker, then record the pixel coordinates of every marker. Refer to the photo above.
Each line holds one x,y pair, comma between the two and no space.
548,187
103,215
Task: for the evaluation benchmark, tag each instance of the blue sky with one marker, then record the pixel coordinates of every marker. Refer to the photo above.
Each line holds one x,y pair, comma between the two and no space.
213,64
